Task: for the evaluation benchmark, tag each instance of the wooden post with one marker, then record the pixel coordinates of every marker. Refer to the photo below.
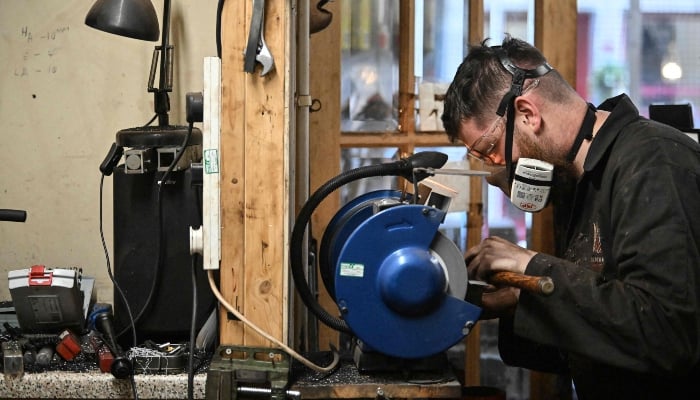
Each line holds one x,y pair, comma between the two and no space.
255,160
407,80
475,223
475,216
555,36
324,138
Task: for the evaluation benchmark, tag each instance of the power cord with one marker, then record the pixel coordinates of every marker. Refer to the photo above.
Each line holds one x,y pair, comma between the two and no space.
289,350
114,282
150,121
190,357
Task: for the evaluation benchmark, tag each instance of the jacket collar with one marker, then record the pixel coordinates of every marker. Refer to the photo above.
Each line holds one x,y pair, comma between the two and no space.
622,112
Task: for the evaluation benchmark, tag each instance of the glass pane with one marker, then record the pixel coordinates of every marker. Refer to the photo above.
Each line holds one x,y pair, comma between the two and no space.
644,48
356,157
515,17
369,68
441,37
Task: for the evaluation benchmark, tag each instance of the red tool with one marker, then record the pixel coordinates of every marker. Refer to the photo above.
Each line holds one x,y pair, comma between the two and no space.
104,355
68,345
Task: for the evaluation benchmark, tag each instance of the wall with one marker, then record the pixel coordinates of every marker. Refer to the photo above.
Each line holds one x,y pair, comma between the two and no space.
65,90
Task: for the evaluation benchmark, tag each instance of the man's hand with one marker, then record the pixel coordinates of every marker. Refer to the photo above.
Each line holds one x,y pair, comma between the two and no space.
491,255
496,254
499,303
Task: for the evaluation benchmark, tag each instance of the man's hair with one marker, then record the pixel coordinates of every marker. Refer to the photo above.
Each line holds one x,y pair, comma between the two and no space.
481,82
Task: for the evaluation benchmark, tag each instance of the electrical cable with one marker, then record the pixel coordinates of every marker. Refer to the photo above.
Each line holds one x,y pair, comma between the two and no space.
159,262
219,10
151,120
114,282
289,350
193,323
190,358
132,378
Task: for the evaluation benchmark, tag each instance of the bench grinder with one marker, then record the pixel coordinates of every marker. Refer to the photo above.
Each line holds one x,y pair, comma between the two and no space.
400,284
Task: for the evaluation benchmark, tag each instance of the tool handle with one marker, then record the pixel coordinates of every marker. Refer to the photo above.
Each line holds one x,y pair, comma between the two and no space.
13,215
121,366
536,284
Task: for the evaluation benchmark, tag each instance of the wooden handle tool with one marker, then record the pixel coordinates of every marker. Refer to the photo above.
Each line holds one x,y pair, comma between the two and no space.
536,284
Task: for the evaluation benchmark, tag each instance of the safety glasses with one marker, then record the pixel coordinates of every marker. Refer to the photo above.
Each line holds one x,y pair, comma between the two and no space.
484,147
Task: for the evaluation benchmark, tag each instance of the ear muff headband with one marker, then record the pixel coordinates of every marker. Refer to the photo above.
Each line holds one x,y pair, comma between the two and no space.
508,100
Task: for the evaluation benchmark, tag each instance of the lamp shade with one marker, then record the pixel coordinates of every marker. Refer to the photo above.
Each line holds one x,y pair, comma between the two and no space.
131,18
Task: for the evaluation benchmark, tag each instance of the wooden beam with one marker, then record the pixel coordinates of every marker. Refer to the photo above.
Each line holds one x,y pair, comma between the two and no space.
393,139
555,36
254,176
475,224
324,139
475,217
476,21
407,79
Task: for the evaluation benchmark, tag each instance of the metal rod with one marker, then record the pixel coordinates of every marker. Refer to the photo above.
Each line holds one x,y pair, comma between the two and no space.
162,105
294,394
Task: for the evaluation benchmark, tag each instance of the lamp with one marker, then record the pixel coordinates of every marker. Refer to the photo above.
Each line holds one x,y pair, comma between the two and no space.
131,18
137,19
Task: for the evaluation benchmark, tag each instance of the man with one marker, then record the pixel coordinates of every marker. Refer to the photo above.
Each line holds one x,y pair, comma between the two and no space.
624,317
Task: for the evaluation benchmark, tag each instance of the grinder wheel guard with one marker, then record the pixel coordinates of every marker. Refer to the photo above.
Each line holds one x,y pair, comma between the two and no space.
398,282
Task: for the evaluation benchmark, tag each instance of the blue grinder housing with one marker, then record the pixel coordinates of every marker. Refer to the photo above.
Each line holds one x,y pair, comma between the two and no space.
388,277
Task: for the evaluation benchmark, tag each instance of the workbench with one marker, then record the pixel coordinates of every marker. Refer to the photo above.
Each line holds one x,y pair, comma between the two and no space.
346,382
94,384
82,380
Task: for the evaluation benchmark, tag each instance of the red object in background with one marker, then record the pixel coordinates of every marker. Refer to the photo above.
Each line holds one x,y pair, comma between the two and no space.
104,355
39,276
105,358
68,345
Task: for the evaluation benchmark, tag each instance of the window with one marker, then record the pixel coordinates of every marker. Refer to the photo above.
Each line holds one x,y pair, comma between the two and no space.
644,48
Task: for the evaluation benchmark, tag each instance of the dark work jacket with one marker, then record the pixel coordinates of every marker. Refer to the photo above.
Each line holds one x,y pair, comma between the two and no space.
624,319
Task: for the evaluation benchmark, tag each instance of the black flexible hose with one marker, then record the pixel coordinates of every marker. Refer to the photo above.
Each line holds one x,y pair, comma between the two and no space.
403,167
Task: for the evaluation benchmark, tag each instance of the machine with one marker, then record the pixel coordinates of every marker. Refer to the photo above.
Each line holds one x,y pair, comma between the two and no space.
152,265
400,285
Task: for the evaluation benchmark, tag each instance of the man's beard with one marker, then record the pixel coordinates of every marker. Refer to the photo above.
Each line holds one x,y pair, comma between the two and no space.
564,171
563,168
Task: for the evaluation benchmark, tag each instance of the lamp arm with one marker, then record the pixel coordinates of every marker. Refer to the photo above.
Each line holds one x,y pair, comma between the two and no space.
161,101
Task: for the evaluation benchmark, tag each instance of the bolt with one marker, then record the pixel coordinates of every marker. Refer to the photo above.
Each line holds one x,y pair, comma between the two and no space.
468,327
